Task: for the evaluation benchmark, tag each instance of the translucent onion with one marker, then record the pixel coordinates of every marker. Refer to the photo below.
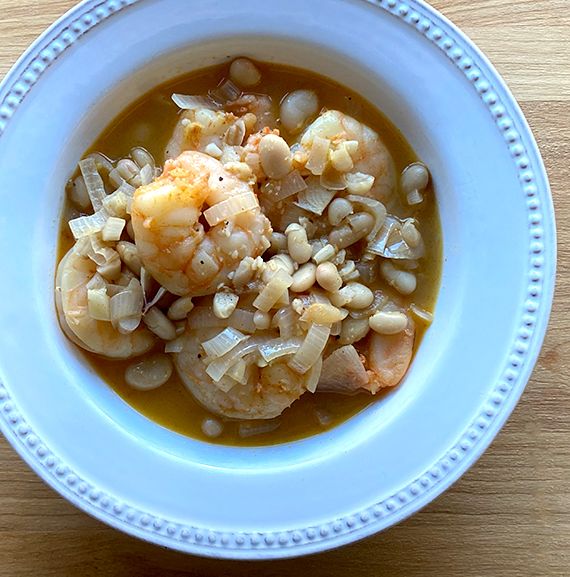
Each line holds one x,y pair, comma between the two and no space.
273,291
332,179
311,349
174,346
377,304
203,317
98,304
315,198
88,225
227,91
96,282
286,319
252,429
318,155
223,342
113,229
421,314
375,208
127,304
276,348
218,368
343,372
116,204
390,244
313,375
238,371
93,182
292,184
231,207
188,102
158,295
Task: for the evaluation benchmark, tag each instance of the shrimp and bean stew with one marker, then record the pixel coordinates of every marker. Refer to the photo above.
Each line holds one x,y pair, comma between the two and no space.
249,255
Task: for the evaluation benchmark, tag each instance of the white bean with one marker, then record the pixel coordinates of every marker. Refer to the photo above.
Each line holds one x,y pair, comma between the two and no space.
142,157
413,182
180,308
297,108
304,278
354,296
149,373
130,256
403,281
339,209
224,304
261,320
353,330
275,156
244,73
278,242
298,244
328,277
212,428
388,323
357,227
159,324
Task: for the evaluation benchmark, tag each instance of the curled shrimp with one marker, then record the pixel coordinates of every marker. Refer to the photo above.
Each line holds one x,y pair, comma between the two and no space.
371,157
266,394
74,272
183,255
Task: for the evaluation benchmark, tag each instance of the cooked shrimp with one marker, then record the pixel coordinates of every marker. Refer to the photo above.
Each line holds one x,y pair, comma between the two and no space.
267,393
389,357
74,272
196,129
371,157
173,244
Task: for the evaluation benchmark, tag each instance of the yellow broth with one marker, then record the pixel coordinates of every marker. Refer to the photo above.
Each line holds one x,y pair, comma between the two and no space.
149,122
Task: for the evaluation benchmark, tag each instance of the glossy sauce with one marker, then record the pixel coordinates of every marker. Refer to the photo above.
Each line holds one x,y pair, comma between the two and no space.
149,122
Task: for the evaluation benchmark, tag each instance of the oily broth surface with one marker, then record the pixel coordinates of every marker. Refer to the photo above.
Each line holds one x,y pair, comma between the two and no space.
149,123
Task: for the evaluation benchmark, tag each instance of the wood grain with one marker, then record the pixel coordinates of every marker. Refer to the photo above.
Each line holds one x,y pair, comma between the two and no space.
509,516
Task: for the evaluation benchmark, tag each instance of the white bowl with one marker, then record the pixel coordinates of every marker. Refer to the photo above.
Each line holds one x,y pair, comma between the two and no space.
401,452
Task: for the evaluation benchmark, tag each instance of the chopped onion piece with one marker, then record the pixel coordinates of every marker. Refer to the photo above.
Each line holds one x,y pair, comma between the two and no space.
343,372
332,179
275,348
93,182
318,155
286,320
273,291
159,294
375,208
421,314
227,91
188,102
390,244
98,304
231,207
252,429
116,204
174,346
146,174
292,184
311,349
218,368
88,225
237,372
223,342
203,317
113,229
315,198
314,375
127,303
96,282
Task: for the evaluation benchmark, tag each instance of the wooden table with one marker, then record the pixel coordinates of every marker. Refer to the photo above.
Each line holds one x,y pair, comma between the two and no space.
508,516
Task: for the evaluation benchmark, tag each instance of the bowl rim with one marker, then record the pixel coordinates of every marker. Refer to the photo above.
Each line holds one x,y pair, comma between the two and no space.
480,73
